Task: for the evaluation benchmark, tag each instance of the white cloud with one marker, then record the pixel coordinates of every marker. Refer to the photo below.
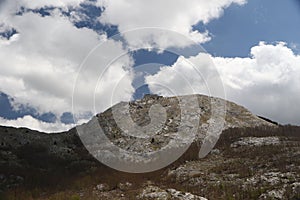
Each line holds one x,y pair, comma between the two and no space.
34,67
194,75
178,16
49,3
39,65
267,83
44,3
34,124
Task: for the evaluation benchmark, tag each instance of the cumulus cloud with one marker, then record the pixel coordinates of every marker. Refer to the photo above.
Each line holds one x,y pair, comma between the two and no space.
34,124
194,75
178,16
45,3
39,64
267,83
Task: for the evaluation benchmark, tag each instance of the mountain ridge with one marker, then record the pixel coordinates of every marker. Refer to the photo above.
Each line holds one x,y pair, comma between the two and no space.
248,149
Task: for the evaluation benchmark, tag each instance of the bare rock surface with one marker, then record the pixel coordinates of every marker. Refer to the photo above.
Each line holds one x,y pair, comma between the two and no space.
256,141
154,192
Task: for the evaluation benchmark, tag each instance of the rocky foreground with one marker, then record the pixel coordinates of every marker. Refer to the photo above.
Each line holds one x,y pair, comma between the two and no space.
253,159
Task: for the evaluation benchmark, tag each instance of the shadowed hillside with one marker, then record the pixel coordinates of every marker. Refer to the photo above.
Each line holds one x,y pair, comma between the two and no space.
253,159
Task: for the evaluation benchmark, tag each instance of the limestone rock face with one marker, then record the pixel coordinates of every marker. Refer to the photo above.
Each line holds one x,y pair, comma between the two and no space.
151,133
203,113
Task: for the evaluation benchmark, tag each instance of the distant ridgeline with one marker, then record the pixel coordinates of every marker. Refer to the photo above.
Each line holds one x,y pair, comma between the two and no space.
268,120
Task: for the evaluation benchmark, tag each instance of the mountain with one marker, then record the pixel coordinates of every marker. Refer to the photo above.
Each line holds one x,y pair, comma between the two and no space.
242,156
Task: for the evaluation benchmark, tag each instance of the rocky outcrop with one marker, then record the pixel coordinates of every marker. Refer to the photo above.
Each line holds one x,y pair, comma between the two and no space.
256,141
154,192
133,133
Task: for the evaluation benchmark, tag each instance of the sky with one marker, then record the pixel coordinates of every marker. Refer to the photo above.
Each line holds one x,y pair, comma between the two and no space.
75,58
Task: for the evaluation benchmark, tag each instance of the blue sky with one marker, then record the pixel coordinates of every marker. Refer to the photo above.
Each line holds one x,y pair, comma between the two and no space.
241,28
233,34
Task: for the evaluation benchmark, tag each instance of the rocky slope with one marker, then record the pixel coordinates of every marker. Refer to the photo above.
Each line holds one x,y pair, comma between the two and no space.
253,159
